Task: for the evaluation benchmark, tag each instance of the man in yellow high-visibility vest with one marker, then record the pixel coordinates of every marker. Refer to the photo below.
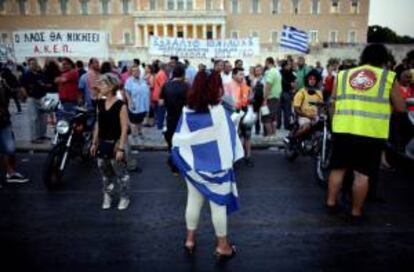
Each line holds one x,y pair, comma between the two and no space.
364,99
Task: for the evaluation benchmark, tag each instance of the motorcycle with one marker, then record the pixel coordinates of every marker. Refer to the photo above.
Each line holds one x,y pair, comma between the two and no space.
73,138
317,143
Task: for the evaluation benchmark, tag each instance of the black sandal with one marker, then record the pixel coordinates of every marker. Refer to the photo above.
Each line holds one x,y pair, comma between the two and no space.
225,257
189,250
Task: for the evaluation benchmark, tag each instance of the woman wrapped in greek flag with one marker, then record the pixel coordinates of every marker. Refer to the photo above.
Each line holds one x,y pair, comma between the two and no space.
205,147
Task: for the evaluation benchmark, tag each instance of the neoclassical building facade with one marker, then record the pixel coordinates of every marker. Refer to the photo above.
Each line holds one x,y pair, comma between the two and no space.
130,23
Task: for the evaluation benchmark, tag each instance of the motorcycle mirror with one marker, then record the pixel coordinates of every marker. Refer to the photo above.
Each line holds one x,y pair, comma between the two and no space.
409,149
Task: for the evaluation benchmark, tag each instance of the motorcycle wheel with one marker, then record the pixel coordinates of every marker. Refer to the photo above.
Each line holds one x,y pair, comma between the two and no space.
322,172
52,175
290,153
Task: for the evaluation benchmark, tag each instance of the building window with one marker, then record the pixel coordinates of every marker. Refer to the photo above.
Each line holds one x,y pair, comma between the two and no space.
180,4
180,34
127,38
234,34
170,4
189,4
105,7
275,6
209,4
42,6
352,36
22,7
275,37
2,8
354,6
335,6
209,35
315,8
84,7
256,6
125,6
313,35
235,6
64,7
254,34
4,38
333,37
152,4
295,6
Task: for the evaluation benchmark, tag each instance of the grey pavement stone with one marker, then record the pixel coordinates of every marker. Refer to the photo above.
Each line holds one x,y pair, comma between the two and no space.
152,138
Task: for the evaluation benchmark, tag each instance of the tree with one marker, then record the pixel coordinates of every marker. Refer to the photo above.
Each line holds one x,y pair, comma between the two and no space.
379,34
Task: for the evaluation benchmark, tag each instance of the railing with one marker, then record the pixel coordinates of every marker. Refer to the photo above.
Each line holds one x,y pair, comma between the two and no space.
179,13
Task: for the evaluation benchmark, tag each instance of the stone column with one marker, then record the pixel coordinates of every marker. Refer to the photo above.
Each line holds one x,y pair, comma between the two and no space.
155,29
174,30
194,31
165,30
185,30
223,31
214,29
137,35
145,35
204,31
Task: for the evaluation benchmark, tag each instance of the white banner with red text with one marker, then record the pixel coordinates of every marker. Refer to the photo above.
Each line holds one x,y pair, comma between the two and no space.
60,43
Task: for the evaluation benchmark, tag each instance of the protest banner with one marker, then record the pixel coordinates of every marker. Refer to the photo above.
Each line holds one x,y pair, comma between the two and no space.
6,52
197,48
59,43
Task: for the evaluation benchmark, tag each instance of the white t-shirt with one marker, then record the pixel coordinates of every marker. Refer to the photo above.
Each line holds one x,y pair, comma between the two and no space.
226,78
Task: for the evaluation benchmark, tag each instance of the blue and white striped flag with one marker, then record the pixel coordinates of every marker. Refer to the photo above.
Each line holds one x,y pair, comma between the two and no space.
295,39
205,146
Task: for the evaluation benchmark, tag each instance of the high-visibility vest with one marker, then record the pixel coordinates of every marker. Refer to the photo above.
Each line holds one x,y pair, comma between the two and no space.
363,105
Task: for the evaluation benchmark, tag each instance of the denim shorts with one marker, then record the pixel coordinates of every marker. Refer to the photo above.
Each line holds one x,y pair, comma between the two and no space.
7,143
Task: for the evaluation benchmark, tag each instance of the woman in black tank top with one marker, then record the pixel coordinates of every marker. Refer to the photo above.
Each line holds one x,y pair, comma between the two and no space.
109,140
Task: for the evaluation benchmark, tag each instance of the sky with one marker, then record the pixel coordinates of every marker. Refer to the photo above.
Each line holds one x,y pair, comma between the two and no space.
395,14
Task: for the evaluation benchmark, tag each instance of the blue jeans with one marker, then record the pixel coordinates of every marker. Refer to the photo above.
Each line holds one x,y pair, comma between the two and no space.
38,119
160,116
7,142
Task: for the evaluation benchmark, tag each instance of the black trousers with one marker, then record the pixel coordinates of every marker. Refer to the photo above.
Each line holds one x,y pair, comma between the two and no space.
285,109
15,97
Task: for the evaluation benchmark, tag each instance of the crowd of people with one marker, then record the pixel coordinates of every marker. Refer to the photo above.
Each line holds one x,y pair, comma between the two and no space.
132,94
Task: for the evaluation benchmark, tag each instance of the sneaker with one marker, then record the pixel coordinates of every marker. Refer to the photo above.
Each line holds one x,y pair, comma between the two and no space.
106,202
123,203
16,178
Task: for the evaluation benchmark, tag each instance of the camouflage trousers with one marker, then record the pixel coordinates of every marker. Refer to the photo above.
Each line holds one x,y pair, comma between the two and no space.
112,171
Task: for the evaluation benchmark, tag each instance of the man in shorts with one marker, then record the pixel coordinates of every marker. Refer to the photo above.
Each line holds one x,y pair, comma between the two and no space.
238,90
307,113
7,141
363,98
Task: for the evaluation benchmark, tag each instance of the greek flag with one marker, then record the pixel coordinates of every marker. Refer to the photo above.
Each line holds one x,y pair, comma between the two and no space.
294,39
205,146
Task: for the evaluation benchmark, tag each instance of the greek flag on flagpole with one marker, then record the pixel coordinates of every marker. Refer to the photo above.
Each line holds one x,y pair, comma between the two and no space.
205,146
295,39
